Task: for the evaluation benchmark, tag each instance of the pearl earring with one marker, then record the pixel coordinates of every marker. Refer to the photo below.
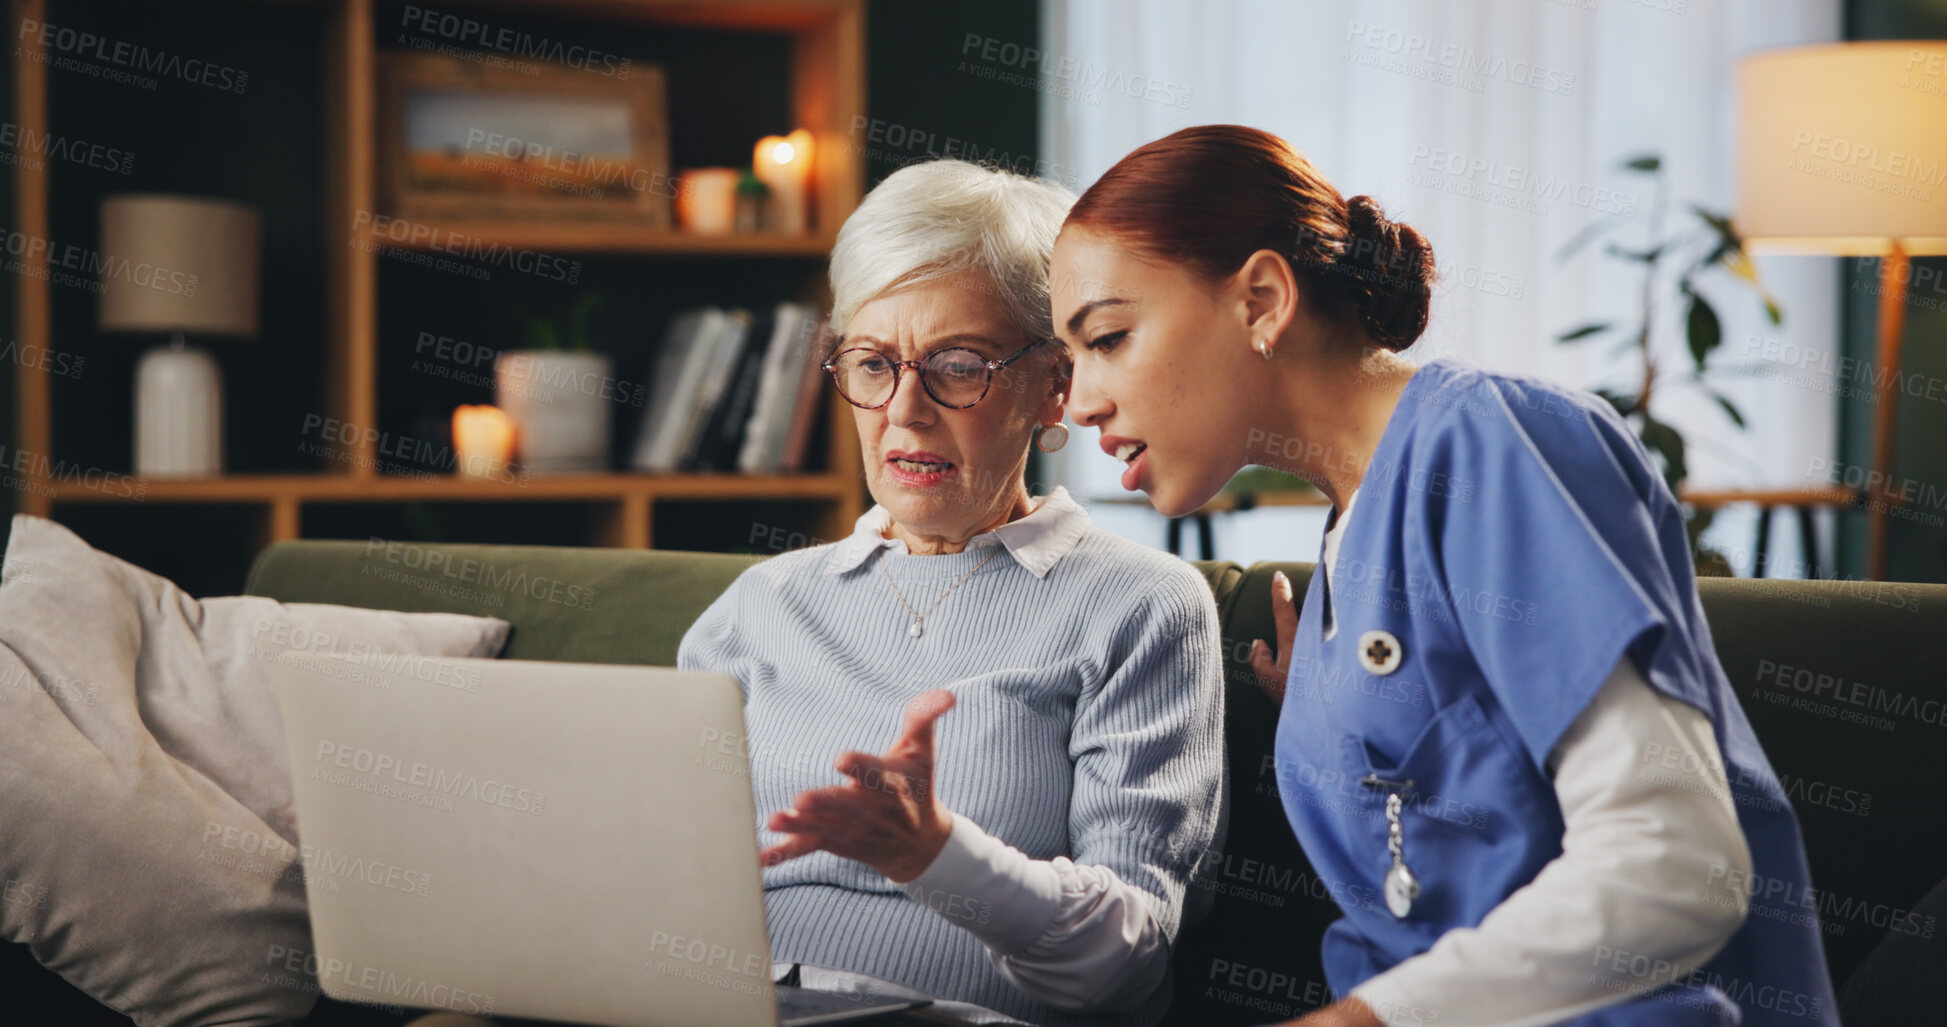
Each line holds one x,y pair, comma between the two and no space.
1058,432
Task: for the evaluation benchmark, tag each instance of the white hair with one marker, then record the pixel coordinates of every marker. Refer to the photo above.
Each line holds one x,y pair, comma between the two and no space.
943,217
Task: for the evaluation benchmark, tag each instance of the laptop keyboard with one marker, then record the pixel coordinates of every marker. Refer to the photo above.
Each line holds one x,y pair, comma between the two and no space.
801,1007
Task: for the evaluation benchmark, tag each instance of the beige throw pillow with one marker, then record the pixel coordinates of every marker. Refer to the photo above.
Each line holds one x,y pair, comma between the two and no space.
148,850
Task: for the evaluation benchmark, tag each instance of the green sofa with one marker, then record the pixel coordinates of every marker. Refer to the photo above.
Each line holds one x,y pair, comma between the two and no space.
1846,683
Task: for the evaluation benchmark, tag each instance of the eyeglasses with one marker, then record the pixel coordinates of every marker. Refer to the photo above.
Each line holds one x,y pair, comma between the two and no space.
956,377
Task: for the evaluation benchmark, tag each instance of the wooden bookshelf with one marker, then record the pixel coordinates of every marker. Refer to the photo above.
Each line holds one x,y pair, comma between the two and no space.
827,84
586,237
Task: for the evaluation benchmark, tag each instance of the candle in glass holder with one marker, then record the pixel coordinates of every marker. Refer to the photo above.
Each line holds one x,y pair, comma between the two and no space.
706,200
784,164
483,440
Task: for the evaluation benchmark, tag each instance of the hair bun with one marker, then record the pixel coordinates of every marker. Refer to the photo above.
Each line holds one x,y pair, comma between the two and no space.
1391,271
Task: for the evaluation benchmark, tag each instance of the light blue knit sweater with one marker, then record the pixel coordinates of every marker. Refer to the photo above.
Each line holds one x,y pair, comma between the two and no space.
1089,723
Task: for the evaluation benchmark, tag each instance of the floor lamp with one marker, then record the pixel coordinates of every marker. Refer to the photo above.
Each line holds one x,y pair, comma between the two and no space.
1841,151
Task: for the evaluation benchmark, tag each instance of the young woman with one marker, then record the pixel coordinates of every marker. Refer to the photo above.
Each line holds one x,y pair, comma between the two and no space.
1505,735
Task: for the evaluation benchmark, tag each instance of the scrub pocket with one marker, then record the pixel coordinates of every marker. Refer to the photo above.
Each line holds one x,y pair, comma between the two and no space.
1478,823
1470,820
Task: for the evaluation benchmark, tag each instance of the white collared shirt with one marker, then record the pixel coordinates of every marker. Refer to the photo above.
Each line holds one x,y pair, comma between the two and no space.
1037,541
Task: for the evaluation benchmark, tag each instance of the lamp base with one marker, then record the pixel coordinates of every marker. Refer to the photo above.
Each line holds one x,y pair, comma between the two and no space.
178,413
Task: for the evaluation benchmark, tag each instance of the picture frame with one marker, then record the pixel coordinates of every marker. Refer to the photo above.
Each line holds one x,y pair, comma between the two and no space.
462,140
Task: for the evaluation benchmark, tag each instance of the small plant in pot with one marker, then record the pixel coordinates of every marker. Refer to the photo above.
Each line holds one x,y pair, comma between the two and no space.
1673,258
553,390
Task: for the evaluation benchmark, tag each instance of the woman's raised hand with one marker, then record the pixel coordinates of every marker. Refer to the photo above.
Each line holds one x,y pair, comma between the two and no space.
1273,668
888,816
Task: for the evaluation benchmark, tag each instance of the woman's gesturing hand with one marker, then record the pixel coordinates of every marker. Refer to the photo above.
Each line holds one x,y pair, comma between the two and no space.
888,816
1272,669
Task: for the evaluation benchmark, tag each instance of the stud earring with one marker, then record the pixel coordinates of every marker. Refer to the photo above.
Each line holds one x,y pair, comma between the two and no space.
1058,432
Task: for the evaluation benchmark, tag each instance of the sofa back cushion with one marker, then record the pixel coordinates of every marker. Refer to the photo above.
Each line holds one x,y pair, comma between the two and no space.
569,604
1845,683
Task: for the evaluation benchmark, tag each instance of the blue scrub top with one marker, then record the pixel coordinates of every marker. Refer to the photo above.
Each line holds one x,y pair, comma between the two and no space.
1517,540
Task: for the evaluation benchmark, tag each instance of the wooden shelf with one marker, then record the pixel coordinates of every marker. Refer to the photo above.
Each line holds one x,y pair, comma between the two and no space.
422,234
1825,496
827,96
782,16
625,502
384,488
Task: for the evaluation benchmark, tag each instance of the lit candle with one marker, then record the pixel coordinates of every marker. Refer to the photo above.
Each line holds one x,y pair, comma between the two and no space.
483,440
784,164
706,200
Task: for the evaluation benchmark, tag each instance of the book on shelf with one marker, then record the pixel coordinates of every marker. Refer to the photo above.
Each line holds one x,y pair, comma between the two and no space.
733,391
672,382
813,385
717,445
720,359
789,365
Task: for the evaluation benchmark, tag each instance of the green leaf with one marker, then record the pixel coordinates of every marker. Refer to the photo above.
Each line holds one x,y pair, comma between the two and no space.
1730,246
1586,236
1666,442
1703,328
1719,252
1721,223
542,333
1646,162
1584,332
1739,263
1623,403
1644,256
1730,410
585,304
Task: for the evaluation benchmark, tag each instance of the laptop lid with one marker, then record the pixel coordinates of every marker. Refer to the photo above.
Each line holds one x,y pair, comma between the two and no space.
569,841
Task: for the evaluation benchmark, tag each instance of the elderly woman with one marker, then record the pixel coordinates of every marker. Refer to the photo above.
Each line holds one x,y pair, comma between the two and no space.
1044,698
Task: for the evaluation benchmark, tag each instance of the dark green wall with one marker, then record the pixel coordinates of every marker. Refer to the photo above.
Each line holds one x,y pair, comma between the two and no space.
1916,551
925,93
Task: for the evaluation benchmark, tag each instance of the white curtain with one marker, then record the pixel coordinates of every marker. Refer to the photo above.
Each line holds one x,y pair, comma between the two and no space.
1496,128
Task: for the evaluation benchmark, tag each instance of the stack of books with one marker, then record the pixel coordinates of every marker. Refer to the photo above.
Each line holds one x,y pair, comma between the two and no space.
734,391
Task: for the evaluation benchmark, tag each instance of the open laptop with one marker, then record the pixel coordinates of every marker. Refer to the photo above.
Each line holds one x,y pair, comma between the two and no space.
552,840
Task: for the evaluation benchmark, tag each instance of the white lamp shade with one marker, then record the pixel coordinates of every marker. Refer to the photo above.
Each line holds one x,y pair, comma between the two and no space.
1842,149
178,264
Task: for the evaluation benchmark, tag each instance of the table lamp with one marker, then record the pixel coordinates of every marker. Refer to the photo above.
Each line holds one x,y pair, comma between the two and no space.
178,264
1840,152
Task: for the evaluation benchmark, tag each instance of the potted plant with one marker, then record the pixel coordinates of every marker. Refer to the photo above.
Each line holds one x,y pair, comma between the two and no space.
554,391
1672,258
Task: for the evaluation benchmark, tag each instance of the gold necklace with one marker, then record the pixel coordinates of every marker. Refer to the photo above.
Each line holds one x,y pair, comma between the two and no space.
919,619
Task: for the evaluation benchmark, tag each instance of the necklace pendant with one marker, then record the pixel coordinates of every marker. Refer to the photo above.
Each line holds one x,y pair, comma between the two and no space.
914,631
